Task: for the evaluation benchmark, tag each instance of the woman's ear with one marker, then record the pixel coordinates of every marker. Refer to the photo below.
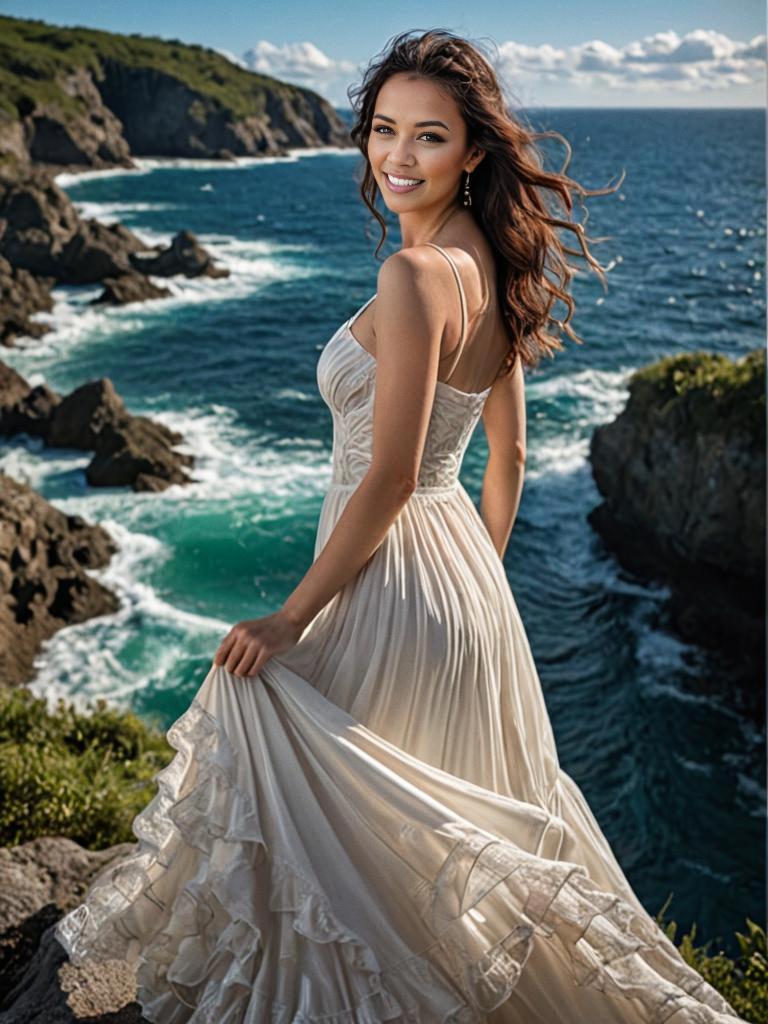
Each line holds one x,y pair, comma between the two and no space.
480,154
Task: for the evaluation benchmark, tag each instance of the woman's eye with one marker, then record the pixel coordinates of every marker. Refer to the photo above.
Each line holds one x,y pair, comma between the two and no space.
377,130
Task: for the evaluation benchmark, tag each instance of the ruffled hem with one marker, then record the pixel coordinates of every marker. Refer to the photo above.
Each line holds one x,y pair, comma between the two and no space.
202,950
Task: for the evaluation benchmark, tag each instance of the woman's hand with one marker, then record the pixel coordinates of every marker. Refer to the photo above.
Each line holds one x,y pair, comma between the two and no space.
250,643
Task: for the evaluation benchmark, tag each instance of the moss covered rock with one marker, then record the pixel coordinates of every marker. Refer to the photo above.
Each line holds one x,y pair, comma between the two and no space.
682,472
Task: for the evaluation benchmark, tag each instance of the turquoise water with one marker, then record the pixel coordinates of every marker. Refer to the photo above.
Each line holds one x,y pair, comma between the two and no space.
650,728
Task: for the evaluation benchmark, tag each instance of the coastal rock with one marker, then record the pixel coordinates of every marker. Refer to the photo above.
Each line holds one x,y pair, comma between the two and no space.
139,452
80,419
119,291
24,409
682,471
129,450
43,234
44,555
14,148
184,255
43,241
21,296
39,882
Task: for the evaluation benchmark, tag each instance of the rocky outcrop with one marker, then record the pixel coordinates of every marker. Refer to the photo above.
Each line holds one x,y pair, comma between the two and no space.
44,555
43,241
129,450
75,97
21,296
39,882
682,471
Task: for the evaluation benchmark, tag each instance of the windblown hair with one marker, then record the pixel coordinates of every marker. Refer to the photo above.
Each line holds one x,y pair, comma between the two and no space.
509,186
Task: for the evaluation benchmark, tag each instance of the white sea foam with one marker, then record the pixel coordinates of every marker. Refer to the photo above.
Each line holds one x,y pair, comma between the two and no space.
108,656
230,461
147,165
111,212
253,265
598,396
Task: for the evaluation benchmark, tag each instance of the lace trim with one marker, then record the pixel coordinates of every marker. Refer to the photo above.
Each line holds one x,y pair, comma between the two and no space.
201,953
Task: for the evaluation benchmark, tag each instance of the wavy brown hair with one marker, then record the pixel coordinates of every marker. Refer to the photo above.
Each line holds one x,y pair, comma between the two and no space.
510,188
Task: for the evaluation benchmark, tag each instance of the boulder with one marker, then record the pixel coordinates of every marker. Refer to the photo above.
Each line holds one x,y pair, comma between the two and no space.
39,882
129,450
44,555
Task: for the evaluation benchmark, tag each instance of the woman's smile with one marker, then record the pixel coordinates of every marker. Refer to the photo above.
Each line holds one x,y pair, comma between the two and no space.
402,184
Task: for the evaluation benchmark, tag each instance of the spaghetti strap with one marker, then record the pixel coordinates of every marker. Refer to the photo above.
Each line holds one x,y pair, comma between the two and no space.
463,300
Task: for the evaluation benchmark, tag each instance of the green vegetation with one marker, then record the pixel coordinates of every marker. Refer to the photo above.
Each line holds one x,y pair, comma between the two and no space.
74,774
720,393
743,981
35,54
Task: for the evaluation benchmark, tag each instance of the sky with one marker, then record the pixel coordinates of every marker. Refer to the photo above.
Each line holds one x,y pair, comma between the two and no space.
549,53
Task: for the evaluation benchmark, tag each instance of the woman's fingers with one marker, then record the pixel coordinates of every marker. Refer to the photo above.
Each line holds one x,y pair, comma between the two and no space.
226,645
243,651
241,659
249,667
243,662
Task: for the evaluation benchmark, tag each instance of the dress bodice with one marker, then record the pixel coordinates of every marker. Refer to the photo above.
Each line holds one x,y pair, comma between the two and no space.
346,377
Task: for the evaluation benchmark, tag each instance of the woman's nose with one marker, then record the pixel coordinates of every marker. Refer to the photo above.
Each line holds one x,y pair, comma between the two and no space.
401,154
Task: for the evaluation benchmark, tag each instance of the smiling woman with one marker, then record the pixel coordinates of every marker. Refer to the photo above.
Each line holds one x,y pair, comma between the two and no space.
366,819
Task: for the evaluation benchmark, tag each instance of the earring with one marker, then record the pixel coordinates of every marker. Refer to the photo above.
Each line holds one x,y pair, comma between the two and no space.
467,196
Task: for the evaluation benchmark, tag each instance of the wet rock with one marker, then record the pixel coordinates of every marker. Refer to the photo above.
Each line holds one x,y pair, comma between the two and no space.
130,450
44,555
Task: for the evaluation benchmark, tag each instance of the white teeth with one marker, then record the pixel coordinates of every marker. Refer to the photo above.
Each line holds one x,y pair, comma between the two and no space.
404,181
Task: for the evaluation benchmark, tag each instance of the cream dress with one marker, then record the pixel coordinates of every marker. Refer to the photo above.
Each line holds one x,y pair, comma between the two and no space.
377,828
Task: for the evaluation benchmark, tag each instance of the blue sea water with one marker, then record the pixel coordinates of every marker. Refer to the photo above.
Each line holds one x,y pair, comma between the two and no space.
665,749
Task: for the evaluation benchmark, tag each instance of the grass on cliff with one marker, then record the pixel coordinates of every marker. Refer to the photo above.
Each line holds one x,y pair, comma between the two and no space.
87,775
743,981
34,55
719,392
74,774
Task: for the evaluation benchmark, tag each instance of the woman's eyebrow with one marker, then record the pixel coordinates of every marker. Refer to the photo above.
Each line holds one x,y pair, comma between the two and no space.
417,124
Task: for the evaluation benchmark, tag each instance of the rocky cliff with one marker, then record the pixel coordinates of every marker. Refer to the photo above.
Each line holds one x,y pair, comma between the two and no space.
78,97
682,471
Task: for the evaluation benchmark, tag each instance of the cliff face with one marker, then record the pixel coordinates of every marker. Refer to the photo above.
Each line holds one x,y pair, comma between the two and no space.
74,97
682,471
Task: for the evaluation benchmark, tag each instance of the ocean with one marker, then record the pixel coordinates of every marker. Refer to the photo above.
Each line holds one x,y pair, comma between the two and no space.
669,755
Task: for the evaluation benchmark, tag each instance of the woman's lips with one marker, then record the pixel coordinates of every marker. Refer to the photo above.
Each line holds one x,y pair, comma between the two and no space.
400,188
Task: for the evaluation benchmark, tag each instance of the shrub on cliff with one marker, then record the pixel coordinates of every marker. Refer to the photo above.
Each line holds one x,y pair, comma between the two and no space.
76,774
722,391
743,981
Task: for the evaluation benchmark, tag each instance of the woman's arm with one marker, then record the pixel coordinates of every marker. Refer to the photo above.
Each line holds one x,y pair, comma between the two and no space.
504,421
409,318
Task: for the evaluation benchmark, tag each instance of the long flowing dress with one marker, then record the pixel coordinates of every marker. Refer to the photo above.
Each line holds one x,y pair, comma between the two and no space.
376,827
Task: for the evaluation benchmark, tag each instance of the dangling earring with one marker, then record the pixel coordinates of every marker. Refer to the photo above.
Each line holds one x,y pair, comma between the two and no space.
467,196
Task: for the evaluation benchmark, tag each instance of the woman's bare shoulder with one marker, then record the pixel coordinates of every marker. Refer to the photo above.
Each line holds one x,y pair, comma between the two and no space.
418,274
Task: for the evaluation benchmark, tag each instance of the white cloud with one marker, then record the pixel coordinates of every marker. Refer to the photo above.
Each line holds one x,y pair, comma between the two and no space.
301,63
700,61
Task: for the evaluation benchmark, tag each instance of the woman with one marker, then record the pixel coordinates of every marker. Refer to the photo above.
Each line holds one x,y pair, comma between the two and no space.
366,819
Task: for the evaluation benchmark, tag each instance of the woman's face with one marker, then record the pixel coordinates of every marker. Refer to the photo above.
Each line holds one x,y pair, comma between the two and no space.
401,144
